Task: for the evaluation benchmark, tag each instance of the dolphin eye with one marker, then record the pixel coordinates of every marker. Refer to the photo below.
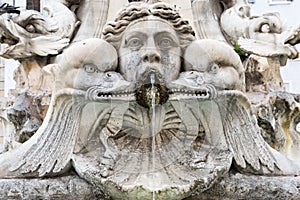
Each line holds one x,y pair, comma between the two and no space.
90,68
298,127
214,68
30,28
108,76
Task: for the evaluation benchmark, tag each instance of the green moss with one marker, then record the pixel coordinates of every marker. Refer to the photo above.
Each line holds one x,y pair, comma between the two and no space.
238,50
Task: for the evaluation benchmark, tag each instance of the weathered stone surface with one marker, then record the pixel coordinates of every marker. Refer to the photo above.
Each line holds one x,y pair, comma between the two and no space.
265,35
31,33
263,74
278,116
232,187
148,111
239,186
68,187
26,114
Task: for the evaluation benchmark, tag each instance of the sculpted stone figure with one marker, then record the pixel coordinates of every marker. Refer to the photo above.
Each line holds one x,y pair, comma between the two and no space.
265,43
77,71
31,38
143,54
264,35
47,35
212,60
147,112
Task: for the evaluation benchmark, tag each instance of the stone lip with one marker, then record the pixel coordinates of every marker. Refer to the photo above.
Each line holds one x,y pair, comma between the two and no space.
233,186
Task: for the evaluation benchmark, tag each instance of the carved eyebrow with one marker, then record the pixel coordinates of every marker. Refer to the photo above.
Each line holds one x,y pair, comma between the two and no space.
135,34
168,34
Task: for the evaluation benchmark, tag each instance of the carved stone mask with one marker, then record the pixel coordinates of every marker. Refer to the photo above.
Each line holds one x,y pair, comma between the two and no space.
150,45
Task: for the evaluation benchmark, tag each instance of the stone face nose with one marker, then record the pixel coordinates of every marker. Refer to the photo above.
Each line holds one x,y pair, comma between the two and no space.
151,53
151,56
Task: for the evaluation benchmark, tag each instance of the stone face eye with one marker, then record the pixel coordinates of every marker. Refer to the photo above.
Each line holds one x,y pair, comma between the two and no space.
165,43
135,43
214,68
90,68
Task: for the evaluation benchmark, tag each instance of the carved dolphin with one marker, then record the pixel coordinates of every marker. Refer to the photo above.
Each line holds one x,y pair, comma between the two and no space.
216,64
50,150
30,33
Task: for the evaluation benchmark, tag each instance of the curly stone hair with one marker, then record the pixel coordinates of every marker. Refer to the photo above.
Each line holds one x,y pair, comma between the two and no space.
113,31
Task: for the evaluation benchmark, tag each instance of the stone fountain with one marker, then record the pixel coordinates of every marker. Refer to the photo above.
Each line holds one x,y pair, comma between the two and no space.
148,107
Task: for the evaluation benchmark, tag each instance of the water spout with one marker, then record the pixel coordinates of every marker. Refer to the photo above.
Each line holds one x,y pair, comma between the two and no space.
152,81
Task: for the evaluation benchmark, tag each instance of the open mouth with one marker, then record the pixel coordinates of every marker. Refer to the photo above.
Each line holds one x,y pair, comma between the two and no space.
151,90
96,94
197,93
207,91
7,38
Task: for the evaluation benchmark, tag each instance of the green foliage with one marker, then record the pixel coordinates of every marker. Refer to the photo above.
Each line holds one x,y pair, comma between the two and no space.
238,50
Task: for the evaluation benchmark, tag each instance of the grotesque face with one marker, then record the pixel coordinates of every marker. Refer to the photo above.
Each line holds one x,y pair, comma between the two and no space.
217,64
150,46
87,63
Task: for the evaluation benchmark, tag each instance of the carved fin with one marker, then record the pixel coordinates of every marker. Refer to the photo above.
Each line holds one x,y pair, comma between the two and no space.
242,133
48,45
53,150
262,48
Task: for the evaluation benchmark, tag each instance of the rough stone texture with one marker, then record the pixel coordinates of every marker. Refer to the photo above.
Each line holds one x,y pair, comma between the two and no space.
25,114
278,116
264,35
233,187
67,187
238,186
263,74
